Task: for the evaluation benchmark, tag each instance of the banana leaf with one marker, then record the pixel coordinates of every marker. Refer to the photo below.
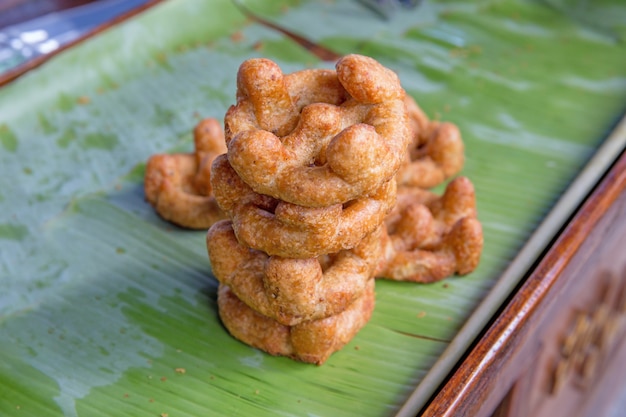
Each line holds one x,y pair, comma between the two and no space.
105,309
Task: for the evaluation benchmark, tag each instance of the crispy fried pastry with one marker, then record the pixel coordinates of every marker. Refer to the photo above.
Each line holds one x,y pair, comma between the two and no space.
325,185
287,290
317,137
436,151
429,238
292,231
178,185
309,341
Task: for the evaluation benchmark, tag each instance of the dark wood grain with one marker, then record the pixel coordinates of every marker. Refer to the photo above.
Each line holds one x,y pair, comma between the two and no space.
509,347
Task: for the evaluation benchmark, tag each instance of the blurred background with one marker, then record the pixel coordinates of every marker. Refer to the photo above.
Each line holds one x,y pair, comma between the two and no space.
33,28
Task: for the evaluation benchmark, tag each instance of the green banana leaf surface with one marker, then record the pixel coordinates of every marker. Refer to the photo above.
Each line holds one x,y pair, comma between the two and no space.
107,310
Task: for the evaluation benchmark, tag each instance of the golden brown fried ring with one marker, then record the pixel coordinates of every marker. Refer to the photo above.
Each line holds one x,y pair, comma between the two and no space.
310,341
271,101
421,217
429,238
292,290
291,231
178,185
435,153
459,252
317,153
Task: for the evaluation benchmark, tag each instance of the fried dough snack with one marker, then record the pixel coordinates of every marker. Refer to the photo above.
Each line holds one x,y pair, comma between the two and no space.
429,238
307,182
436,151
309,341
316,138
324,184
288,230
287,290
178,186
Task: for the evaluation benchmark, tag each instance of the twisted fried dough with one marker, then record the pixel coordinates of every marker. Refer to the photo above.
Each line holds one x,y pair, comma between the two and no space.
429,238
178,185
309,341
292,290
329,140
291,231
436,151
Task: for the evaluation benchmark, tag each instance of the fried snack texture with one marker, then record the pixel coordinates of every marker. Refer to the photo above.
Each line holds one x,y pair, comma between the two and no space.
310,341
178,186
429,237
316,138
288,230
435,153
289,290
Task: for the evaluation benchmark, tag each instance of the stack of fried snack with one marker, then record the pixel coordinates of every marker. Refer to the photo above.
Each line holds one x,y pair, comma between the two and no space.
324,185
429,237
307,182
